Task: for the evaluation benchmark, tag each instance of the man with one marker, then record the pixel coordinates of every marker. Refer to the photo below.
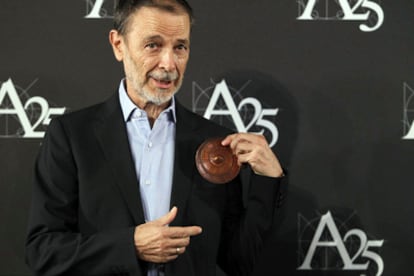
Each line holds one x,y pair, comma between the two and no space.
107,176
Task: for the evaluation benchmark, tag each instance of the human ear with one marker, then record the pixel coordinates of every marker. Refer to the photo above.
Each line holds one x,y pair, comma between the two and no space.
116,40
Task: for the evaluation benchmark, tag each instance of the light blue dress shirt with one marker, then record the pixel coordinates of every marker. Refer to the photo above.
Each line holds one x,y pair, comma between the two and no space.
153,155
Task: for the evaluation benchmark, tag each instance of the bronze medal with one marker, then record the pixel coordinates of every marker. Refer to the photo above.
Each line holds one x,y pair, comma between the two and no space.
216,163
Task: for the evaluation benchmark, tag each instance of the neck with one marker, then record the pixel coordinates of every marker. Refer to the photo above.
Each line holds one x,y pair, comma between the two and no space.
153,111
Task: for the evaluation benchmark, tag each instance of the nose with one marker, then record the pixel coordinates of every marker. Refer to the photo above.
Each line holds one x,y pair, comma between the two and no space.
167,60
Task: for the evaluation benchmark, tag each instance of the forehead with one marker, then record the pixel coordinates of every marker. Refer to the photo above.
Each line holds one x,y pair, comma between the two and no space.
149,21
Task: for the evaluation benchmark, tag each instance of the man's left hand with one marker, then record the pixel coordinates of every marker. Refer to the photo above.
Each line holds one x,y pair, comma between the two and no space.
253,149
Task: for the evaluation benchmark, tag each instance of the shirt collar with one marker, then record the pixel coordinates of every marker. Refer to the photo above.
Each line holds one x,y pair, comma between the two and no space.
128,107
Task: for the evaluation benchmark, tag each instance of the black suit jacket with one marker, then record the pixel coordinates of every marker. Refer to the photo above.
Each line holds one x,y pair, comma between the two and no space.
86,201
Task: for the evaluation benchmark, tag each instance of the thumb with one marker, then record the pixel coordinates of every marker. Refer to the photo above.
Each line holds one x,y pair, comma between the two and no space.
167,218
227,140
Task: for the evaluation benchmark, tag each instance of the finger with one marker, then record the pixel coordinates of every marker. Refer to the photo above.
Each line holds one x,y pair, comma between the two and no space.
178,243
243,147
167,218
233,140
226,141
172,251
178,250
170,258
159,259
244,158
239,141
254,138
187,231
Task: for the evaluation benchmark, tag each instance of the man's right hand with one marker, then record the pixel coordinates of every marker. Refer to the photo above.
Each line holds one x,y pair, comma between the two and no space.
156,242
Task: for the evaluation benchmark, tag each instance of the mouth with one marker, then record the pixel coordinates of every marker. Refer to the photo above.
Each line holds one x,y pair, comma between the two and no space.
162,84
163,79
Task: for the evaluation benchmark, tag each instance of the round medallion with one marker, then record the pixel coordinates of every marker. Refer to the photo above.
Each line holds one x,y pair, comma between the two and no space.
216,163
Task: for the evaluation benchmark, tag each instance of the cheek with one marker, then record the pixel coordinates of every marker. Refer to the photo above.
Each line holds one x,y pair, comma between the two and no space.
182,65
148,65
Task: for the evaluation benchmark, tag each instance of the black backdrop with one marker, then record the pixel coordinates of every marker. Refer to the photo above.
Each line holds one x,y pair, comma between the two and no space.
335,98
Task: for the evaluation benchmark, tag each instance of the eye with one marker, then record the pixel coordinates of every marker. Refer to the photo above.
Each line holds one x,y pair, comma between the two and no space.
181,47
152,45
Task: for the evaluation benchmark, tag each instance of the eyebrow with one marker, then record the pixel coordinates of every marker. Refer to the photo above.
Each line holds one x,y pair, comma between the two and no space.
158,37
153,37
184,41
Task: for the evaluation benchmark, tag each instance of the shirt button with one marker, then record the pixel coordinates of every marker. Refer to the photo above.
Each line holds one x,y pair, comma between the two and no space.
147,182
150,144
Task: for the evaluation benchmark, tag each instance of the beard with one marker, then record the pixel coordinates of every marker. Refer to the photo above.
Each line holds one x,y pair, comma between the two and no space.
161,96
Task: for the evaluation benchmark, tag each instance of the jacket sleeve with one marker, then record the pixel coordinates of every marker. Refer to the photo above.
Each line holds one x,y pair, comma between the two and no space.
55,245
245,231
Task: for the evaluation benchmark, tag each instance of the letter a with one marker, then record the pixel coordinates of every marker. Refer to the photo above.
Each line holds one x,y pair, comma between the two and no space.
410,134
222,89
307,13
328,223
95,12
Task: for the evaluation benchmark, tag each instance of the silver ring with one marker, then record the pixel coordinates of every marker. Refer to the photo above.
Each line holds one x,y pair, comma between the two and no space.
178,250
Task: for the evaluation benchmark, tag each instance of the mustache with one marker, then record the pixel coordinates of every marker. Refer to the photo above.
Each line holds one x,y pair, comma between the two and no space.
164,75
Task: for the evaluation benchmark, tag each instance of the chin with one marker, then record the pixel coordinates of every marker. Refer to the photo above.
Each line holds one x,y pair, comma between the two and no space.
163,96
160,100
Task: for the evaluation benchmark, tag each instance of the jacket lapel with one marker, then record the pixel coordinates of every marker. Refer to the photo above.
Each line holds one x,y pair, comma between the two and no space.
184,165
112,136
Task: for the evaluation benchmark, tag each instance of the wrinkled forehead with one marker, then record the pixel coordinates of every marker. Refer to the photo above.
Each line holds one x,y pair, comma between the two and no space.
153,21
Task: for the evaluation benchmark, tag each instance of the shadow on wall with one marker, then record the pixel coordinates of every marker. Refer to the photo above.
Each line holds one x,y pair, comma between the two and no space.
264,105
279,255
390,191
354,160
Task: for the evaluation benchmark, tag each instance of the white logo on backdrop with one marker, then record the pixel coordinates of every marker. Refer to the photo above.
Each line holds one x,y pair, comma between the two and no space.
99,9
349,10
327,241
248,113
23,120
408,112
